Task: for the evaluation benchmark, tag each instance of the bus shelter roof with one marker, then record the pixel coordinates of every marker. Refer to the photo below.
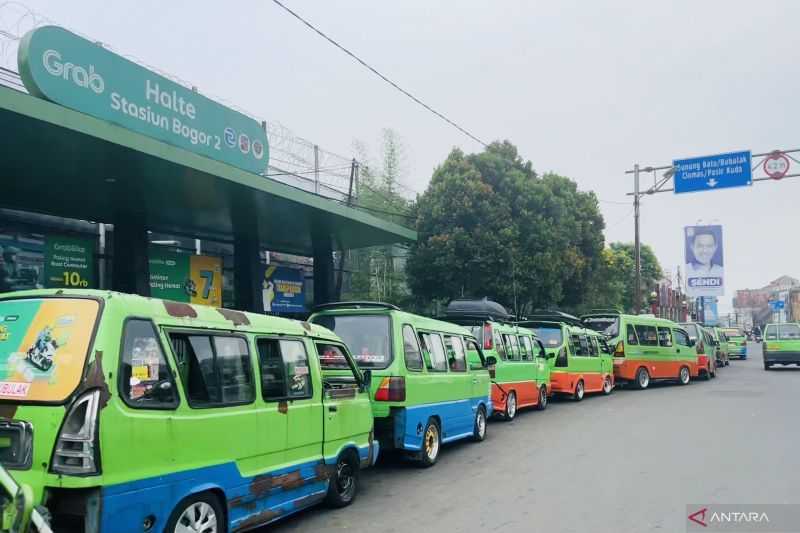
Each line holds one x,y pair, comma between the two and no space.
60,162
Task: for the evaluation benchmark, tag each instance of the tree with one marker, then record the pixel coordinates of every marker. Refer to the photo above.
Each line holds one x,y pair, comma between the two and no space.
489,225
378,272
614,284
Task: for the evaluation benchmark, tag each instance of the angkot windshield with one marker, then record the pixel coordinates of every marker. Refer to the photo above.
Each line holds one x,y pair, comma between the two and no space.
733,332
691,329
789,332
550,336
607,325
366,336
44,343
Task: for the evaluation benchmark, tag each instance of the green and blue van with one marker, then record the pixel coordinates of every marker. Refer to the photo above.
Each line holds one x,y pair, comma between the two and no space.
578,357
516,358
737,342
129,414
430,384
781,344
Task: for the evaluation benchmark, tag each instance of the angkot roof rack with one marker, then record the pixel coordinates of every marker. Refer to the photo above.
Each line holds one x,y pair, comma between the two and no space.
551,315
355,305
603,312
484,309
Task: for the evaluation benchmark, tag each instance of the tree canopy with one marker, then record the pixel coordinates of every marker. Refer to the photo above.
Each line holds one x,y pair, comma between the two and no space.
488,224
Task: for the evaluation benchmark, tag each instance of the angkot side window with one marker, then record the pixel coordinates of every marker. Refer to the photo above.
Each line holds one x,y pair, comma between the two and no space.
332,359
285,373
145,378
474,355
411,351
498,345
525,348
456,358
561,357
681,337
772,333
664,337
581,345
647,335
216,370
434,349
633,340
539,349
512,351
593,349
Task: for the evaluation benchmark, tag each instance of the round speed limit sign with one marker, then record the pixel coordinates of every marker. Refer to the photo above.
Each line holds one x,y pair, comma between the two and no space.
776,165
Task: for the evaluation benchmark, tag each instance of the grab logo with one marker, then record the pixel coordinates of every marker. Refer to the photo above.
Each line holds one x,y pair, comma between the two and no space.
80,76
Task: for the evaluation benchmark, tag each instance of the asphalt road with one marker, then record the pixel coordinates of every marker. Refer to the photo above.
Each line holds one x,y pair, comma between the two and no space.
628,462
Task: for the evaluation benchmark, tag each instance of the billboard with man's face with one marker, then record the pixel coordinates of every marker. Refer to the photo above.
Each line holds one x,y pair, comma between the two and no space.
704,263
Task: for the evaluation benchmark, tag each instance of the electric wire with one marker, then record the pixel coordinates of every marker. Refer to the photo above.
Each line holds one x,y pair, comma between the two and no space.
381,76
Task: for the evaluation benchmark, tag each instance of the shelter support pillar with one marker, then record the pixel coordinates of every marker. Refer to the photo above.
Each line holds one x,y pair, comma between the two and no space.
131,265
247,267
324,287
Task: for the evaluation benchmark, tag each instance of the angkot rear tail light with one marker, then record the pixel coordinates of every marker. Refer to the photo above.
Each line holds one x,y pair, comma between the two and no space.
76,450
619,350
391,389
488,343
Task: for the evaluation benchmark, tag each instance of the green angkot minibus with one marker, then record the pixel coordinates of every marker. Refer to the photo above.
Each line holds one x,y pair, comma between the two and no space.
516,358
430,384
579,359
781,344
125,414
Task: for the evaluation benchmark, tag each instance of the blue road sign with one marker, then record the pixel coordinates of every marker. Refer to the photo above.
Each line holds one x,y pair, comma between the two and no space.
777,305
713,172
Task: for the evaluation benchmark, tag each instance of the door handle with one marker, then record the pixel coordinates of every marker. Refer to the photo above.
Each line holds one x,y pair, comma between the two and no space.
333,408
474,381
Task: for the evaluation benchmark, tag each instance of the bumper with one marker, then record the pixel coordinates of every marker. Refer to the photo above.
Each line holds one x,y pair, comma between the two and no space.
782,357
702,365
625,370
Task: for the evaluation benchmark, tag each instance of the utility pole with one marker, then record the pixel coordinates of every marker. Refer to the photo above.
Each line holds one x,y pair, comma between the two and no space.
637,252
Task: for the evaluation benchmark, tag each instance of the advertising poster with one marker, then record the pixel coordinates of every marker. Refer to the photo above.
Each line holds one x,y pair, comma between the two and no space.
69,262
186,278
704,261
36,261
710,311
282,290
43,347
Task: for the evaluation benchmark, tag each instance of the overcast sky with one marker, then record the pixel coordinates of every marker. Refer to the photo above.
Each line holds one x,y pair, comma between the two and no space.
585,89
